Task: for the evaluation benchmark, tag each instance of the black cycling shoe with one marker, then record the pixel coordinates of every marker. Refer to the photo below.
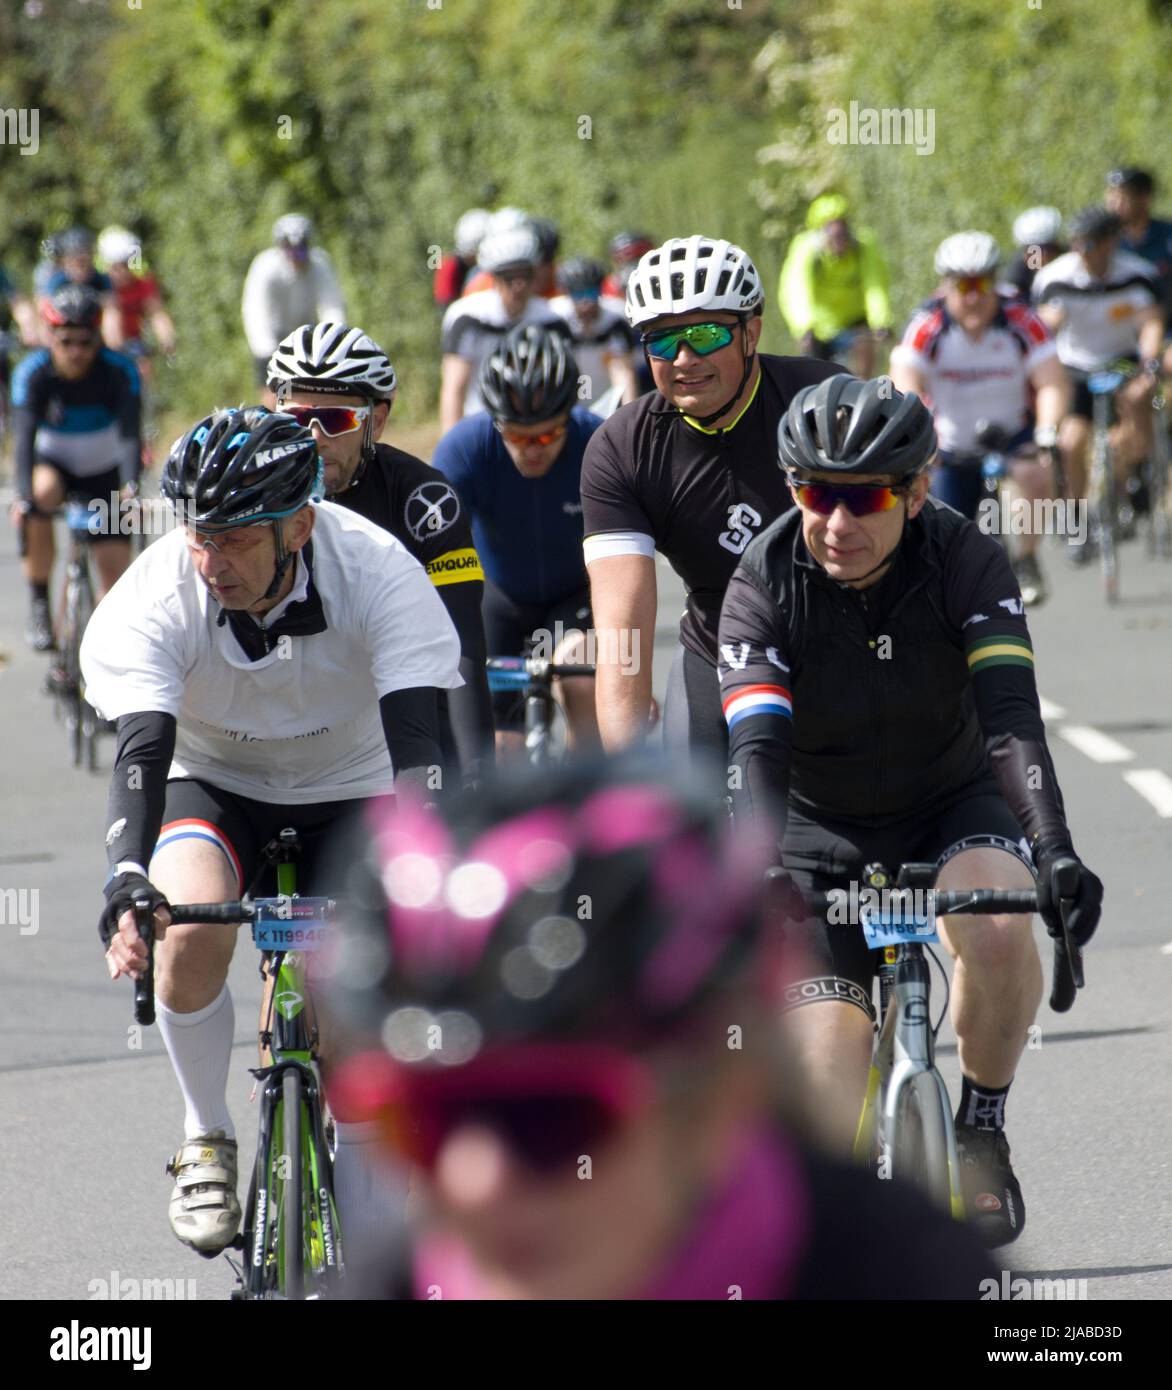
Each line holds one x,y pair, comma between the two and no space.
1137,494
992,1193
40,627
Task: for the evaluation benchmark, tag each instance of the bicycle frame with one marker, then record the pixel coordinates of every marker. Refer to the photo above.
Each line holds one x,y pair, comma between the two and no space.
77,605
533,678
1102,386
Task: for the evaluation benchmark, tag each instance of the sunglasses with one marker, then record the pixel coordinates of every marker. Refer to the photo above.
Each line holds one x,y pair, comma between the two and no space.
333,419
973,284
860,499
550,1104
515,277
78,341
234,542
536,441
702,338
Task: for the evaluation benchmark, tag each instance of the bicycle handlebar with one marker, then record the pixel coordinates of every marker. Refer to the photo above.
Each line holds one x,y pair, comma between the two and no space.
537,667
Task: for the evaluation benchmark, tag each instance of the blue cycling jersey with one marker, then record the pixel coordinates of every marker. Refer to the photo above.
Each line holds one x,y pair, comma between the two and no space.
528,531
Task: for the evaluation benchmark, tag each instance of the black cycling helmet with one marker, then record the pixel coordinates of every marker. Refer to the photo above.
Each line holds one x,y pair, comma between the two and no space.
844,425
607,904
530,376
548,237
1094,223
77,241
1128,176
73,306
579,275
242,467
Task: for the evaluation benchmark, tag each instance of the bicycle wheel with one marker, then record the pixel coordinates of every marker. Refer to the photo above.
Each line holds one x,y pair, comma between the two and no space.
1106,511
292,1223
919,1145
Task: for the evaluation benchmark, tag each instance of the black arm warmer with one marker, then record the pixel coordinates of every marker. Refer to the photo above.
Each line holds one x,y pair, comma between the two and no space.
24,432
759,755
470,707
138,786
411,728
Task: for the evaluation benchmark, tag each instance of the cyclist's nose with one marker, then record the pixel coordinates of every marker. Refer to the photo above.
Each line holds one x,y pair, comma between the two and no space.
472,1168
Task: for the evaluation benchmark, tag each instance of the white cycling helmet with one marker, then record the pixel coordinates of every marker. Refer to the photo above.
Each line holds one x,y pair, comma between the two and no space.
471,230
1037,227
334,358
117,246
499,250
294,229
968,253
508,220
696,272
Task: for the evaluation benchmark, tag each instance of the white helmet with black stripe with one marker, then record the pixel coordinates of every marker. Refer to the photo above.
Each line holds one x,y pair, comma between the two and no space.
689,273
333,358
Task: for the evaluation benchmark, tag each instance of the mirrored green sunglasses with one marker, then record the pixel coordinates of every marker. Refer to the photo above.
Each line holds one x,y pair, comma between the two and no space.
702,338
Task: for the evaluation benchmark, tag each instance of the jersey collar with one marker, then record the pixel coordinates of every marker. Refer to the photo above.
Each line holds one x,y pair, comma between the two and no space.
703,429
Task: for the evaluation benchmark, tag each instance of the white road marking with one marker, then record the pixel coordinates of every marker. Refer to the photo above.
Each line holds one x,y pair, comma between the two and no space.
1095,745
1154,786
1050,710
1166,950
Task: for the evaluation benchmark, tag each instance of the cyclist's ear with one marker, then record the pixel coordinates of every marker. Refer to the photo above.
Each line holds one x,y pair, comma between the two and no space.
299,528
918,493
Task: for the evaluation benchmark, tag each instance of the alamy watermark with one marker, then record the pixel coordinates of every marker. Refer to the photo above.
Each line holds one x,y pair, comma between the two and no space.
21,907
619,646
1016,1287
1035,516
895,125
121,1286
130,516
21,125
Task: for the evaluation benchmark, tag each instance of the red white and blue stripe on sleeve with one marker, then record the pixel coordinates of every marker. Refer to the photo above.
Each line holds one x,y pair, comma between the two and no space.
749,700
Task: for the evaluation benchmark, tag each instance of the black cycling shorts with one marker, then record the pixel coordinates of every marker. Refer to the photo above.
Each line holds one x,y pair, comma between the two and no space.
821,855
510,628
241,827
1082,403
98,487
693,718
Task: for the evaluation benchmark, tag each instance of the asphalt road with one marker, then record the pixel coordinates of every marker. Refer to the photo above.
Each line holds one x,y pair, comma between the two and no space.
92,1113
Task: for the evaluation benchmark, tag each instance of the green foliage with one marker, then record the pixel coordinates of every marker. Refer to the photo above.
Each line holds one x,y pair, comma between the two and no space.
199,121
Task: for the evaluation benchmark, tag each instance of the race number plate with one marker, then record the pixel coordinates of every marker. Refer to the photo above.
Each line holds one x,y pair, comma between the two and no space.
291,924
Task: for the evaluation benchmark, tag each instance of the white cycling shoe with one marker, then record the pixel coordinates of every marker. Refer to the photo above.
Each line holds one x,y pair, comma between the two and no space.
204,1211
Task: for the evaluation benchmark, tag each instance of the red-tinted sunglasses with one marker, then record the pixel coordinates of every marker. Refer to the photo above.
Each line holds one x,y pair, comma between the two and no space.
973,284
537,441
333,419
860,499
549,1103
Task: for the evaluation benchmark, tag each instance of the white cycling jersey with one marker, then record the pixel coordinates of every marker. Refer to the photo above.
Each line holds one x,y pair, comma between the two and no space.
475,324
1100,317
968,380
301,724
594,345
278,297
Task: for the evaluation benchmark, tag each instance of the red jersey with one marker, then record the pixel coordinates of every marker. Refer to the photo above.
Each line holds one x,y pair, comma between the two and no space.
132,299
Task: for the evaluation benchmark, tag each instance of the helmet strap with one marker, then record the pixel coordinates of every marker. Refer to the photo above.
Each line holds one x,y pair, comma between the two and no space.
284,560
707,420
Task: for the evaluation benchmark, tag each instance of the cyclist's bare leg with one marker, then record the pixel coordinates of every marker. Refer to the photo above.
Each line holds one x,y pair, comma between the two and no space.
1031,479
48,495
1131,438
111,558
997,984
191,962
509,744
1074,442
862,355
577,693
833,1044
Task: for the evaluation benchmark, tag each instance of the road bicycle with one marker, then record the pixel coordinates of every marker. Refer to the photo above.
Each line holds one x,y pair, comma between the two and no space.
546,725
290,1240
906,1127
1158,534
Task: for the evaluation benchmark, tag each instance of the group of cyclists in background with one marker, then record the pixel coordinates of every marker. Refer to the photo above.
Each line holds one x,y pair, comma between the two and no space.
591,415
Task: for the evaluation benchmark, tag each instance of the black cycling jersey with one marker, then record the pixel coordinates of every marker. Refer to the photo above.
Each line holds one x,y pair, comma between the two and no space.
701,495
865,706
419,507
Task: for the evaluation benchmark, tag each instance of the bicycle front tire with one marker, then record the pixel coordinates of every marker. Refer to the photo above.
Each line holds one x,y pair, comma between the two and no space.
292,1217
919,1146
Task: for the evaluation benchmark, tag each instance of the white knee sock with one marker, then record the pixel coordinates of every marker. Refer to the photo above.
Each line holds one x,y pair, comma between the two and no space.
371,1197
200,1047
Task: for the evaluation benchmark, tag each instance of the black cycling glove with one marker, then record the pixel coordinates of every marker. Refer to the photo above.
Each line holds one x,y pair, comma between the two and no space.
1087,895
120,895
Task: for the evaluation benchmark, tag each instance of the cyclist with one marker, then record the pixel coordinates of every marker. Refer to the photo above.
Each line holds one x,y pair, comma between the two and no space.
453,270
270,663
475,323
137,296
21,308
516,467
45,268
1037,235
833,287
599,335
290,282
609,1043
626,249
877,677
1102,304
1129,197
340,384
687,471
76,411
76,248
979,356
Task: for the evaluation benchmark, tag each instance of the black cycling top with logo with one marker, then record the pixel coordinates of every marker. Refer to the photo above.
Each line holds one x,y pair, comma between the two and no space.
870,705
700,495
